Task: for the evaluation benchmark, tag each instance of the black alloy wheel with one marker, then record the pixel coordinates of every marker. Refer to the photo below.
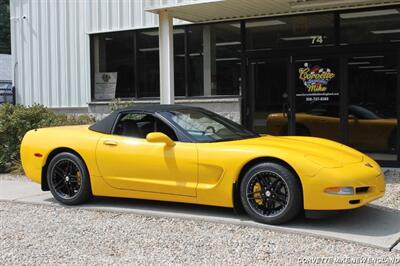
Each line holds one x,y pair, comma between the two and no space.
68,179
267,193
271,193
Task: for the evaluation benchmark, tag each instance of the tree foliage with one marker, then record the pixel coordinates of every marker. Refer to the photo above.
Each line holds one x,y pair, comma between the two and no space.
16,120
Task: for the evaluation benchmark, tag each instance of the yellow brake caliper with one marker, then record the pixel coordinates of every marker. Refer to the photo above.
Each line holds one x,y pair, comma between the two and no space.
78,175
257,188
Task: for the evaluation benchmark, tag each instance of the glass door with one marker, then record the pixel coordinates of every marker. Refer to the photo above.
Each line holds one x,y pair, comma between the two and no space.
372,109
269,106
317,97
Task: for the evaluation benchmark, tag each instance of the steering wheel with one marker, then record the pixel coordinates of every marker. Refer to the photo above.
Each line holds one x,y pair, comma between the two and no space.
209,128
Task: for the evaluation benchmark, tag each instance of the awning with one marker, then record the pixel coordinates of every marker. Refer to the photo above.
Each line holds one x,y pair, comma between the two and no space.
199,11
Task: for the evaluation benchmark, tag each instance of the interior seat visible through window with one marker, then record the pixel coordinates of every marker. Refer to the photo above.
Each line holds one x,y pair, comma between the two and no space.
138,125
129,128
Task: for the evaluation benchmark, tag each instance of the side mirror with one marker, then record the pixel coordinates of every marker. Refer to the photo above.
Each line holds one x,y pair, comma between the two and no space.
158,137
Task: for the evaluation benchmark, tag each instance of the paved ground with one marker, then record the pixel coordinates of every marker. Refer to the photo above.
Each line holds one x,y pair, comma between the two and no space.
35,234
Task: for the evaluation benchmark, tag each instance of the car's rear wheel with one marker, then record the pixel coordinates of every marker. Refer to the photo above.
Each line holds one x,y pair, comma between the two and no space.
271,193
68,179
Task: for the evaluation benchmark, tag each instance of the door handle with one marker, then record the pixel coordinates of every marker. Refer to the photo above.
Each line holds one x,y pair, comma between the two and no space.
110,142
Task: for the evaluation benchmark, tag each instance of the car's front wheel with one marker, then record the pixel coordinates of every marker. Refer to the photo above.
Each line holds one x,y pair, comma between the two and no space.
68,179
271,193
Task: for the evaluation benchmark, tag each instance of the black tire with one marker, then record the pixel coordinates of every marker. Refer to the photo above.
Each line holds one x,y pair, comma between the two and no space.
68,179
278,201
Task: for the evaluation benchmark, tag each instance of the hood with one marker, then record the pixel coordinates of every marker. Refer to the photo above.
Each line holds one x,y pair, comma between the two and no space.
324,152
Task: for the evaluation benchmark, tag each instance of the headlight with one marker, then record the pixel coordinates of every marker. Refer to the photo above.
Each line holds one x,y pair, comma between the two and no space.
339,190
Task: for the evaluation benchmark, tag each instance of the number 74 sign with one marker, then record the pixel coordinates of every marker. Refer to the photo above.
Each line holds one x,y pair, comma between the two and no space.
318,39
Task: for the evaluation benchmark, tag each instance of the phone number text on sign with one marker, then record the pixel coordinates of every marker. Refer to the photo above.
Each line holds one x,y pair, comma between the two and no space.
317,99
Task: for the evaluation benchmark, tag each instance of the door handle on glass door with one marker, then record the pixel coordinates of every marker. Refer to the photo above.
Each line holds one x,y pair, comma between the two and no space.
110,142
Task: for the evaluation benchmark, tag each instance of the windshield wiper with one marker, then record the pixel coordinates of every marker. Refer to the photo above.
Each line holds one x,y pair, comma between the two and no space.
227,139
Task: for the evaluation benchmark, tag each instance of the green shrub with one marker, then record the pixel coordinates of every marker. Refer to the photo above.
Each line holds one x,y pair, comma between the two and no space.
16,120
118,104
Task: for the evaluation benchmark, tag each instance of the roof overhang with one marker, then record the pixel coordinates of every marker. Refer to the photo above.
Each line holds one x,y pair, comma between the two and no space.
201,11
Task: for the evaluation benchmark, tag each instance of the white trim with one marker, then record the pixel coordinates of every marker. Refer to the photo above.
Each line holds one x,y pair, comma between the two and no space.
166,50
154,27
160,8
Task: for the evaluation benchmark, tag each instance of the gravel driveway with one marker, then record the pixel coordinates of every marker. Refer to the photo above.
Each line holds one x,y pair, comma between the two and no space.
31,234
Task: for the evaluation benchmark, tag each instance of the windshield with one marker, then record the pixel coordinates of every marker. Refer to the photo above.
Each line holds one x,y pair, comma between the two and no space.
204,126
362,113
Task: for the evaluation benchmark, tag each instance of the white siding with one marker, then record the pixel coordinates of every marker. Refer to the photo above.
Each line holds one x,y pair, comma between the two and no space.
50,44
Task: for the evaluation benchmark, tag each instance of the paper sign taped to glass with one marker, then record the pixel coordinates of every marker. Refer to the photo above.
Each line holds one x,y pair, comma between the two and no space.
105,85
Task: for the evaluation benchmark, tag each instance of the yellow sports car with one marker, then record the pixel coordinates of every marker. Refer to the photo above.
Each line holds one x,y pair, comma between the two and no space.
187,154
367,130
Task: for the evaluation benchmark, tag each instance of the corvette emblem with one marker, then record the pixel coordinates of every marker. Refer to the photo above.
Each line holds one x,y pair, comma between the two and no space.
369,165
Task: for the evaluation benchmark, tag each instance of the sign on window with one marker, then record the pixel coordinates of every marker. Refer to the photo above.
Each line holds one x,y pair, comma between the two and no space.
105,85
316,81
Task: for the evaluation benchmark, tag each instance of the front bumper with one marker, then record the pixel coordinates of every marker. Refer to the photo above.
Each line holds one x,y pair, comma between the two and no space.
356,175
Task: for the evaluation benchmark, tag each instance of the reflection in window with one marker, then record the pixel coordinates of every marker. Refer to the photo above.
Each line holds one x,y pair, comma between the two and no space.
372,98
295,31
370,26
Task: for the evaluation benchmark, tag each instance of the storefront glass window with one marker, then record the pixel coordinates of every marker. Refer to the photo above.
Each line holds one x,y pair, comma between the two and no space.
148,63
179,61
372,104
269,91
214,64
373,26
113,65
228,62
195,61
208,62
291,32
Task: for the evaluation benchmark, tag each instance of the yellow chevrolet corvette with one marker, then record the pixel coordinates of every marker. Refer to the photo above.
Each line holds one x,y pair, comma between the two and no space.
188,154
367,130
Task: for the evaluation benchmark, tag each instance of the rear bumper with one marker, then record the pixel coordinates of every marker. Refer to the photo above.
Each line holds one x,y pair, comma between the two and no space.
32,165
354,175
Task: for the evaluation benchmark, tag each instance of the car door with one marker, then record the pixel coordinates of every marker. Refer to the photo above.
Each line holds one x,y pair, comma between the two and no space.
127,161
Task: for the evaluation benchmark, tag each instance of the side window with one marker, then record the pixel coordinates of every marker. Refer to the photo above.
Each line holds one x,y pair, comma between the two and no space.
164,128
138,125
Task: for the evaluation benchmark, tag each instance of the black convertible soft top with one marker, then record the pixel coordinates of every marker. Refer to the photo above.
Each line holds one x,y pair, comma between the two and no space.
106,125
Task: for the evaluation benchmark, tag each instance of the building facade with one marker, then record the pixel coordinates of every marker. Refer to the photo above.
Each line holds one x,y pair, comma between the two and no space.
282,67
